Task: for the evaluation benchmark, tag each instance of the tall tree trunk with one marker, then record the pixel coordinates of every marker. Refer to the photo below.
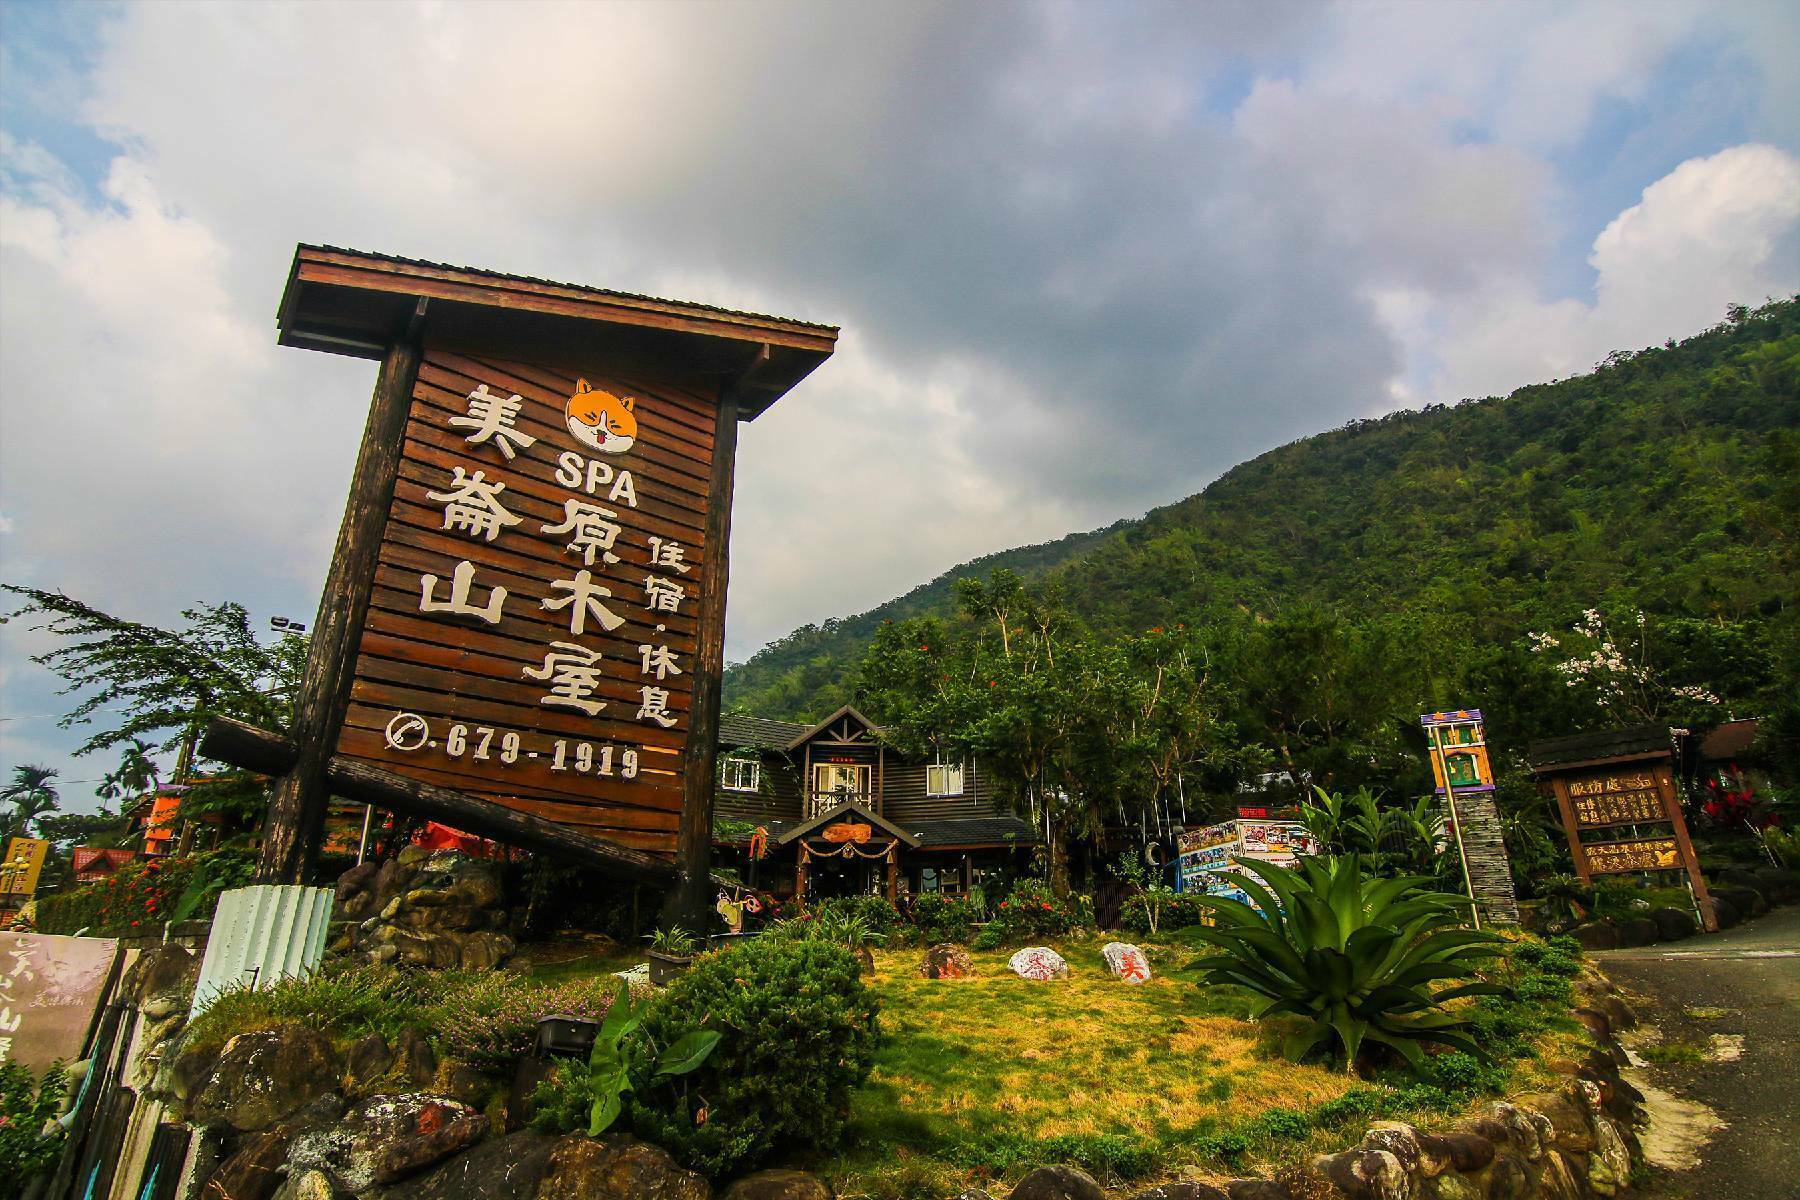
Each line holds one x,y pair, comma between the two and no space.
1059,859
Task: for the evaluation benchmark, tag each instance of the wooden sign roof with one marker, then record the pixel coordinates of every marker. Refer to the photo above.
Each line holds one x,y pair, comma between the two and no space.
356,303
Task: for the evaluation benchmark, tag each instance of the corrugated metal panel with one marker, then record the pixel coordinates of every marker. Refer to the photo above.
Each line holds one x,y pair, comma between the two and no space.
261,934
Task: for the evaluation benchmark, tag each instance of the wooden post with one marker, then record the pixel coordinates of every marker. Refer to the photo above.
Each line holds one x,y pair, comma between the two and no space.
800,876
1665,786
893,872
296,819
1567,808
686,906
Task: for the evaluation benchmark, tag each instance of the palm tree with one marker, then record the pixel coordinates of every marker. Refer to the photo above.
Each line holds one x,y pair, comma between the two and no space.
135,776
32,793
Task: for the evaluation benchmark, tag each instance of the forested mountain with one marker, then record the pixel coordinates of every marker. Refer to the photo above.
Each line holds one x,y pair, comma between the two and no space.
1668,479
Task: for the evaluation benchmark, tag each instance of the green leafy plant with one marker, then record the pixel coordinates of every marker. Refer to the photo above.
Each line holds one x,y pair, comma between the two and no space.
1351,955
800,1036
591,1095
674,941
27,1105
943,918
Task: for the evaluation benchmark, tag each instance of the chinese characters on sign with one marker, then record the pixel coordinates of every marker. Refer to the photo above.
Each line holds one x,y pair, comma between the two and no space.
1650,854
1622,798
531,634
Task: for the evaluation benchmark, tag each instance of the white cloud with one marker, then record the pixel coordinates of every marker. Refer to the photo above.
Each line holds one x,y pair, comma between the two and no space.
1715,231
1083,264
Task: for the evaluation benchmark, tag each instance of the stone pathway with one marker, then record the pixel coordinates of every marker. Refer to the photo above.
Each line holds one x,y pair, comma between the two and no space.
1725,1012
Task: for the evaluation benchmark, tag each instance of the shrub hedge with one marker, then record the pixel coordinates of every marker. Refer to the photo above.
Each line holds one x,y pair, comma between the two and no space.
800,1033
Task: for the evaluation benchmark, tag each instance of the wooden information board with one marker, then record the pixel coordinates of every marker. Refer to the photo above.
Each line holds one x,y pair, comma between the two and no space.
1608,783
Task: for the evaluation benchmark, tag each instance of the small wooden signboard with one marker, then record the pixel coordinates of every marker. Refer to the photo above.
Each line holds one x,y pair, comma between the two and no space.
526,607
1620,780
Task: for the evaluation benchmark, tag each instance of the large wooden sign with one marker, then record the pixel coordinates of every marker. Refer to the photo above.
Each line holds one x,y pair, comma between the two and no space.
532,631
1616,783
526,607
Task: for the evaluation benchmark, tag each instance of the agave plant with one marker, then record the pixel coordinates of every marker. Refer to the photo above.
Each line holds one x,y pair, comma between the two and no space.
1354,955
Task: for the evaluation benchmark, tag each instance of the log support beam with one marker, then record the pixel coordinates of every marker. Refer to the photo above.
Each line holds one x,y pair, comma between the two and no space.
268,753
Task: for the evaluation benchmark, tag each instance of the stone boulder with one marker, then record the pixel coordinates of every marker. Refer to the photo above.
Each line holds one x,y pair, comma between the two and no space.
505,1168
1673,924
1637,931
947,960
265,1078
1058,1183
616,1168
1126,962
388,1138
778,1185
1185,1189
254,1171
439,910
1597,935
1040,963
307,1185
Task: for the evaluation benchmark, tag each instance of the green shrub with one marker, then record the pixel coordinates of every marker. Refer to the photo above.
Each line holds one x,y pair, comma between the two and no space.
1351,955
939,918
1363,1104
875,911
591,1094
141,895
1176,912
485,1018
799,1032
26,1106
490,1020
989,938
1033,911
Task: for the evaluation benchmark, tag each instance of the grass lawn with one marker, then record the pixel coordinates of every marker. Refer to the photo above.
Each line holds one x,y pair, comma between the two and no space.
981,1079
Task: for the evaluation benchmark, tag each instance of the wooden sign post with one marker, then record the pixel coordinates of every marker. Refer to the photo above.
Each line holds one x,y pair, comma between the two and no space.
1611,786
522,632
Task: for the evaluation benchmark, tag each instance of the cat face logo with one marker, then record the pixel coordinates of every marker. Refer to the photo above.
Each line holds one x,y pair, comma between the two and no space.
600,420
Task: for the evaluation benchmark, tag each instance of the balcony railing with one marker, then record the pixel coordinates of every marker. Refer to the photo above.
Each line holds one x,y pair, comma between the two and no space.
820,803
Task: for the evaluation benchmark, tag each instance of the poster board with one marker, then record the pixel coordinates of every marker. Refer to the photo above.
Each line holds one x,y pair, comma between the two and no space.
1205,863
21,869
49,989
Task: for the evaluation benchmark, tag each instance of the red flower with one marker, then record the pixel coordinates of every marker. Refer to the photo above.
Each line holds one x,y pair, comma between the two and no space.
1003,904
1046,908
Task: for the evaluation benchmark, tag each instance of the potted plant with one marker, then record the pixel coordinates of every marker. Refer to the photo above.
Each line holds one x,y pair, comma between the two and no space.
671,953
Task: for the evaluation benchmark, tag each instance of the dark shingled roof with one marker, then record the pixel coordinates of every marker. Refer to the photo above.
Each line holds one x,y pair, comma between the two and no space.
974,831
1610,743
756,733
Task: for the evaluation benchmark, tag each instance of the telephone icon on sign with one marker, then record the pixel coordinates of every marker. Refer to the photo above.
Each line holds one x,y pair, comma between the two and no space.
407,731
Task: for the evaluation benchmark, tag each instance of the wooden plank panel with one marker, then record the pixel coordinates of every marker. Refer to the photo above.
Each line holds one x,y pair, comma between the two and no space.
424,672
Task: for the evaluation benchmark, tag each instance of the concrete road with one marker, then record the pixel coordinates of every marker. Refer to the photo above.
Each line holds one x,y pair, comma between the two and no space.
1732,1001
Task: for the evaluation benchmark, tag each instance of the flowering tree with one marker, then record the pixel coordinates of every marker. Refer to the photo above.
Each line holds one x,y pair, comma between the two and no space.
1617,671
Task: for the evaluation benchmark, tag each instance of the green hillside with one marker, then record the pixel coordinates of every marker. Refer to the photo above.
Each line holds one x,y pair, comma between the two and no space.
1668,477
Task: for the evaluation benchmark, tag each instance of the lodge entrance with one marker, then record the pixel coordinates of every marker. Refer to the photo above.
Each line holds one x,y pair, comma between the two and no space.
831,877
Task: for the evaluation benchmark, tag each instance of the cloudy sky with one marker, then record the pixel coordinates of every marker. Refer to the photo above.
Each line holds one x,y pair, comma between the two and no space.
1086,257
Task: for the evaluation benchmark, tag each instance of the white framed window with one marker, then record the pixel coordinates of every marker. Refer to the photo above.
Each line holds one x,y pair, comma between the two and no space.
740,774
944,779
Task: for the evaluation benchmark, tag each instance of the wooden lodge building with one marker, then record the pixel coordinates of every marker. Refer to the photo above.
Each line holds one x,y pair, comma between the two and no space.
834,811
